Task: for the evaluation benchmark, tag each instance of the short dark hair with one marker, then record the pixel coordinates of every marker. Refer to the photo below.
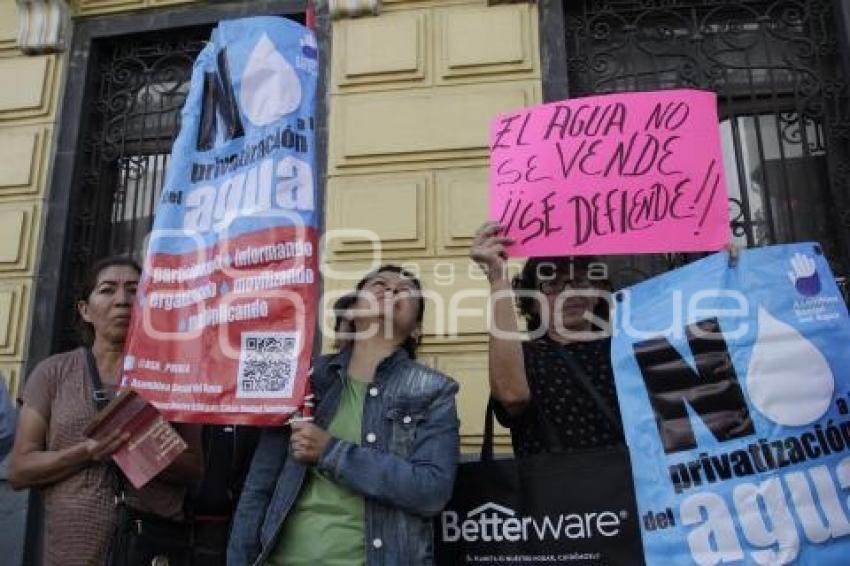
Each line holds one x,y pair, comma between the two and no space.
340,306
84,329
530,280
410,344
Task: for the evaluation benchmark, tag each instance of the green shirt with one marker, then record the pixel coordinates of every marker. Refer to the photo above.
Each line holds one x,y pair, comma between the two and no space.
326,525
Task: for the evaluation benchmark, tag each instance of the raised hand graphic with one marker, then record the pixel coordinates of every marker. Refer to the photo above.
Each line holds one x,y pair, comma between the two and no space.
804,275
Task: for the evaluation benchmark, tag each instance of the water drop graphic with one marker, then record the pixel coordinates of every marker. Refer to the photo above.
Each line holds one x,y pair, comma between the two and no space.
789,380
270,87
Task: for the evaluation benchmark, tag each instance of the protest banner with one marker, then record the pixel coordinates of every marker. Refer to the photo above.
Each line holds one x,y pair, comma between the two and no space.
223,329
636,172
733,385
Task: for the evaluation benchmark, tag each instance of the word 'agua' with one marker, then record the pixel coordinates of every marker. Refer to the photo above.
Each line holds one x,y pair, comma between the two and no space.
765,518
268,186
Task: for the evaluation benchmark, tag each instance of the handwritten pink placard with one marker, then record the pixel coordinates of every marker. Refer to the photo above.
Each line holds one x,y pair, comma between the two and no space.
623,173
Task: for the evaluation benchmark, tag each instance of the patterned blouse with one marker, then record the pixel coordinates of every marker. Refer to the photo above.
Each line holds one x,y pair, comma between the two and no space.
80,509
559,400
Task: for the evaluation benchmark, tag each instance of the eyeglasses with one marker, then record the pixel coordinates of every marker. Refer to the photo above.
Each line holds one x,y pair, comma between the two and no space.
380,285
555,286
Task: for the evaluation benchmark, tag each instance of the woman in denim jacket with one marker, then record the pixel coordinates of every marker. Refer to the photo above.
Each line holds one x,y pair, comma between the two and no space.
361,483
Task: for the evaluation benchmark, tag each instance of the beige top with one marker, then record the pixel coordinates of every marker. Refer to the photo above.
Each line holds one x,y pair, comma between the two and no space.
79,510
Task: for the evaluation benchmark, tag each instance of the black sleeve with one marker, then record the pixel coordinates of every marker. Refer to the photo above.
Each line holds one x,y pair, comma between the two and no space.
508,420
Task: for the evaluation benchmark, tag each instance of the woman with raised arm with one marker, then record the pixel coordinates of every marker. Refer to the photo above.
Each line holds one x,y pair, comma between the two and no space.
554,391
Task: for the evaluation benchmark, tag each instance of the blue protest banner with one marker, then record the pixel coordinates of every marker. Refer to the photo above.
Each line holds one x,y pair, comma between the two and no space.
733,384
223,327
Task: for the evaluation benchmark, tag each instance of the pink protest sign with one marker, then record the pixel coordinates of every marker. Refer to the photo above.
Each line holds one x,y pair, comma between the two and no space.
624,173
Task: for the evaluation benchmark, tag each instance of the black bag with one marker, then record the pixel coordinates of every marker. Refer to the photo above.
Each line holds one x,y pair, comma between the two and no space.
553,508
227,453
140,539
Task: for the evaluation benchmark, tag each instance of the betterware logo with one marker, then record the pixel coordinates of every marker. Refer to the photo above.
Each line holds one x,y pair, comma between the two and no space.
495,523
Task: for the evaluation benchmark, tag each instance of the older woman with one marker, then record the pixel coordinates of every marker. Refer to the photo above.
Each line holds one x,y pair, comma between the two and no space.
52,454
556,391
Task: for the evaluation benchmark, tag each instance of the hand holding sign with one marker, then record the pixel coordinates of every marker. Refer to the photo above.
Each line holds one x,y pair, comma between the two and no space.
624,173
489,249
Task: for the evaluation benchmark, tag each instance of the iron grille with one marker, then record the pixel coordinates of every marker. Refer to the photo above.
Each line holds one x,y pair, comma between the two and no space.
783,99
121,107
133,115
134,89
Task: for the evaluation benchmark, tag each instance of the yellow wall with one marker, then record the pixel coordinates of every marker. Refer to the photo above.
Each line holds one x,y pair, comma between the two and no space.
411,95
28,102
92,7
30,89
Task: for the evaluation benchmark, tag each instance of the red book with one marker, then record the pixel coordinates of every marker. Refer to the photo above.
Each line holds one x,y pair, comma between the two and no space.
153,442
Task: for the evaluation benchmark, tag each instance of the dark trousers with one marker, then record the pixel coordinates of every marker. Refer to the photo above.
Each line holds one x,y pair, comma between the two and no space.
210,542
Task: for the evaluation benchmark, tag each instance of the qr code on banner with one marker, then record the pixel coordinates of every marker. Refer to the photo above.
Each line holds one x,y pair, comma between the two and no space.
268,364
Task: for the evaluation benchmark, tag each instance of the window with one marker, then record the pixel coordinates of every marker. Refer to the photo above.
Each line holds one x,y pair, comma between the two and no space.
784,101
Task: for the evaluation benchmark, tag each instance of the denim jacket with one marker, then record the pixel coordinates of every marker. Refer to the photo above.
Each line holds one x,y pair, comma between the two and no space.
404,467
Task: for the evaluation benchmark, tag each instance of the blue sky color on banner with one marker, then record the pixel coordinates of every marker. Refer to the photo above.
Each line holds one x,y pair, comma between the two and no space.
265,162
733,385
223,327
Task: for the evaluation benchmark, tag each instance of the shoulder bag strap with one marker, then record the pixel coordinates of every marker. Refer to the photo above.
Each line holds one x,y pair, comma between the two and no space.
99,395
487,445
101,400
583,379
550,434
551,437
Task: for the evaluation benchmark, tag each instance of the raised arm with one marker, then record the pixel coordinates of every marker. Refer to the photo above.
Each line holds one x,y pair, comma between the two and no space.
508,383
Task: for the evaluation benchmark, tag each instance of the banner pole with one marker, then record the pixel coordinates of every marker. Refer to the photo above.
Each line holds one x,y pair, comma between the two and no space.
310,15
